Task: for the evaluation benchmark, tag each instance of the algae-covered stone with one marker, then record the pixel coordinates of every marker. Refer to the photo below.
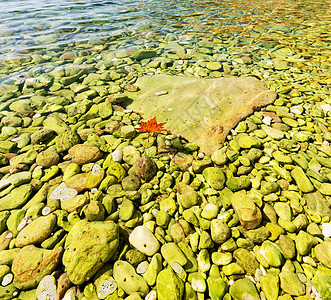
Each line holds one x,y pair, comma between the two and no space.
323,253
20,178
128,280
198,282
169,285
322,283
131,183
8,292
130,154
48,158
17,197
37,231
304,242
94,211
249,214
31,264
144,240
269,254
67,139
215,177
247,141
116,170
75,204
220,231
247,260
173,254
153,269
192,263
82,154
270,286
244,289
302,181
291,284
217,287
85,181
238,183
93,246
187,196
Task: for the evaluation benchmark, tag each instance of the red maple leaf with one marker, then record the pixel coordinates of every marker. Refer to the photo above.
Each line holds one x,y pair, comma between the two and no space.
151,126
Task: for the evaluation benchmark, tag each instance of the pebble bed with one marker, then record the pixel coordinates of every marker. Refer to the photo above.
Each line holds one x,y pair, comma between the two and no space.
90,208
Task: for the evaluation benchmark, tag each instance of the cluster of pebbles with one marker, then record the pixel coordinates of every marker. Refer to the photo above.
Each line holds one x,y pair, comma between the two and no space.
92,209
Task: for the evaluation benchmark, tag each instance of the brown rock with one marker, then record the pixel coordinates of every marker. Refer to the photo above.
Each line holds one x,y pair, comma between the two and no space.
249,214
208,108
83,154
145,168
31,264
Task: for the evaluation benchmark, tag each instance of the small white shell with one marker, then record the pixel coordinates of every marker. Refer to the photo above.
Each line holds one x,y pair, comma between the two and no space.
326,107
46,211
36,116
22,224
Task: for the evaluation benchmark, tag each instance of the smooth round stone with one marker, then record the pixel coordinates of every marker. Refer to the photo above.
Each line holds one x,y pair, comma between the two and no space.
144,240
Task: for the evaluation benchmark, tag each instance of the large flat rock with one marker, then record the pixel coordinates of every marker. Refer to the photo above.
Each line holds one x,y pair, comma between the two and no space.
201,110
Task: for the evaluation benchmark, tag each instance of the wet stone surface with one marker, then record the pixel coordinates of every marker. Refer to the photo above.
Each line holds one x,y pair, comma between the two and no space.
94,207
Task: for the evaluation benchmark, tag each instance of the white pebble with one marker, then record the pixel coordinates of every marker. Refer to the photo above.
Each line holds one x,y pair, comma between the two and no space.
117,155
170,109
63,193
7,279
267,120
201,155
142,267
36,116
96,169
94,190
4,183
144,240
127,111
326,229
152,295
106,288
15,139
295,110
22,224
160,93
37,168
9,235
46,211
326,107
177,268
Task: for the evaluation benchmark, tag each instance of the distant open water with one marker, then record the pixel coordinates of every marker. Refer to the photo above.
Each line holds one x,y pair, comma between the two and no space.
29,25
